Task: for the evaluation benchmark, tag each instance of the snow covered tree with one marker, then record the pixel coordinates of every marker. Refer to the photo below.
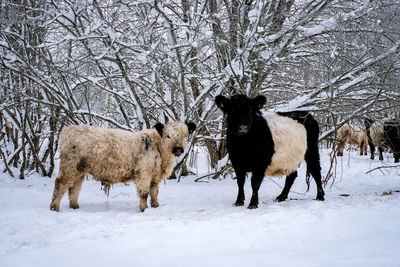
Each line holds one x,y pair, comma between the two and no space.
130,64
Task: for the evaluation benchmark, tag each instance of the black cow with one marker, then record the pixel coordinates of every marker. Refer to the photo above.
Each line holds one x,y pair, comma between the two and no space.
384,135
272,144
376,137
392,134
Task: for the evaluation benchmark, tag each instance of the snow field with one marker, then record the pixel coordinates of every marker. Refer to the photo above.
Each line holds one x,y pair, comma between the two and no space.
197,224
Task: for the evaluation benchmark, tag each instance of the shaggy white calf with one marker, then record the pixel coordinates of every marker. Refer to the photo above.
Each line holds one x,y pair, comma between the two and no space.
116,156
353,135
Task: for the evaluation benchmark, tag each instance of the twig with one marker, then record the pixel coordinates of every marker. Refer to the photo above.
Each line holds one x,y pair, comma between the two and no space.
209,174
383,167
333,164
6,165
291,191
225,169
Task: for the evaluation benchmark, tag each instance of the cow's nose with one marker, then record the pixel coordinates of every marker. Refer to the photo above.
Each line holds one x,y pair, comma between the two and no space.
243,129
177,151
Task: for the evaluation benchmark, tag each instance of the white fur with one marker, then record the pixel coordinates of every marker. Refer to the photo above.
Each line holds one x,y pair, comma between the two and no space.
290,139
377,134
116,156
354,135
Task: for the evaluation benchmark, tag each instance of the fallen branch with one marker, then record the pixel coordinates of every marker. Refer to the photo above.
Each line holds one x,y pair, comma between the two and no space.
5,164
383,167
224,171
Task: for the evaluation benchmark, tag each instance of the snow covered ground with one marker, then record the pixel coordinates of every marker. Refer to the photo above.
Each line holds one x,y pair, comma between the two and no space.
197,225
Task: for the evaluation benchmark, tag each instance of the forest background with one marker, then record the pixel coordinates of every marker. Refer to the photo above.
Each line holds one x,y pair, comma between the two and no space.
129,64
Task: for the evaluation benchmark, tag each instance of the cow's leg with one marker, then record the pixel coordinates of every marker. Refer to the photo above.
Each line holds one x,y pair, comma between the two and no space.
288,184
396,157
365,148
318,180
143,189
154,195
61,186
73,192
341,145
314,168
256,180
240,179
380,149
372,150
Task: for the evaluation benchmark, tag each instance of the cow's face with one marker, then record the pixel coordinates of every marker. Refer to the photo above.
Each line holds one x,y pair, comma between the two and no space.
240,111
174,136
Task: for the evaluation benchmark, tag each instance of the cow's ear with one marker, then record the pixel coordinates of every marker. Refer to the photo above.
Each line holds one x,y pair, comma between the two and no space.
222,102
160,128
259,101
191,127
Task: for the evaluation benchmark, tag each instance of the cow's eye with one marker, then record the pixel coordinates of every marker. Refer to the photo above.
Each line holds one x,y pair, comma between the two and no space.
169,137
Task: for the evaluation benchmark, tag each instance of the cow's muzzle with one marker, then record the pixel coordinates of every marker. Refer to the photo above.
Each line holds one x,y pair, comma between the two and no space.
177,151
242,129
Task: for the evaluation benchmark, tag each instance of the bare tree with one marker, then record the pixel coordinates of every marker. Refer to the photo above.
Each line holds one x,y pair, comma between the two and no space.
130,64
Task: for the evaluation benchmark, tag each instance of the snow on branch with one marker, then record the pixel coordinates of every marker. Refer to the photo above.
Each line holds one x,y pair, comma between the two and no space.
355,76
331,24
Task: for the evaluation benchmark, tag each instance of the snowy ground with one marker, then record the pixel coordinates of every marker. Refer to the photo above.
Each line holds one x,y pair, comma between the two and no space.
197,225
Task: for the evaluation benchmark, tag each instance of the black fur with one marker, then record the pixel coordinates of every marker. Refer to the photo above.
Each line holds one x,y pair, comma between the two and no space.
392,134
160,128
251,146
191,126
367,123
146,141
82,164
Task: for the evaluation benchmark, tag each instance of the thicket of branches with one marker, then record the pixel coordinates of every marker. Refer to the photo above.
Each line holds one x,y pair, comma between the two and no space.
130,64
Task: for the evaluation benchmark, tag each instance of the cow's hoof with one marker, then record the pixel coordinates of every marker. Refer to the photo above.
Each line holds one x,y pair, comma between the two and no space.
54,207
74,206
154,204
280,198
239,203
252,206
142,207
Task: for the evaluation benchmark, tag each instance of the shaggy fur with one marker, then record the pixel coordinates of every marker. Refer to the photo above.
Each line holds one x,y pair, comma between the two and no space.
377,139
353,135
268,144
116,156
392,132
